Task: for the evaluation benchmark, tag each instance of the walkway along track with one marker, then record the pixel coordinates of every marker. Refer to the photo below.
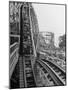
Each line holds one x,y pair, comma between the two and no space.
52,70
29,75
27,78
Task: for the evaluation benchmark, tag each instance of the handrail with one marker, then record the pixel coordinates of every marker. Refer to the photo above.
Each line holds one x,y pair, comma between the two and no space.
13,47
33,71
13,52
13,57
14,35
13,61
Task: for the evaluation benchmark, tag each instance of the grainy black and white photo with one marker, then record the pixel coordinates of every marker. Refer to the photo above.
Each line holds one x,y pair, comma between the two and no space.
37,44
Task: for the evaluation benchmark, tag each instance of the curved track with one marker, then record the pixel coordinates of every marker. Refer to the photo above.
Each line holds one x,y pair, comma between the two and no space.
56,74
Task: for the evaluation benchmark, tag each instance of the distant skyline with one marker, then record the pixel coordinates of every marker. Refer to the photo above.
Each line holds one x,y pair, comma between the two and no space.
51,18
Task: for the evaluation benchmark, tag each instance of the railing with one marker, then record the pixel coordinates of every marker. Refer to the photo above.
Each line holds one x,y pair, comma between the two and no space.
13,57
13,47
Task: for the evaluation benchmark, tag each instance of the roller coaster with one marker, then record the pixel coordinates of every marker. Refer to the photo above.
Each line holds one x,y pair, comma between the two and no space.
23,55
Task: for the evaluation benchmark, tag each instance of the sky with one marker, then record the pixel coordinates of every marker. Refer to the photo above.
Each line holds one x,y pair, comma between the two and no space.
51,18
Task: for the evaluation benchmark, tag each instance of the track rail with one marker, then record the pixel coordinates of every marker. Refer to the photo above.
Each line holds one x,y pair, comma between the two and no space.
54,64
56,78
58,71
54,60
29,76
